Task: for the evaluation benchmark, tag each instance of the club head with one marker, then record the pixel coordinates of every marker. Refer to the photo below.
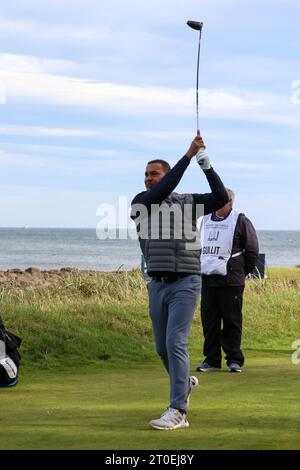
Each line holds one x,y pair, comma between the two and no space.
197,25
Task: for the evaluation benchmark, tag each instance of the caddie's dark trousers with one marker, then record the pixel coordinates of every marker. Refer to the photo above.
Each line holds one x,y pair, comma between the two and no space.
222,305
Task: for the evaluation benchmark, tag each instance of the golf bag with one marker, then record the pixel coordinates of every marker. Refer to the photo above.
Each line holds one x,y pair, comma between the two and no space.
9,357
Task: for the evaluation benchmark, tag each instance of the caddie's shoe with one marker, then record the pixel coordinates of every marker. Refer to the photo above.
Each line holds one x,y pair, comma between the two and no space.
170,419
234,367
194,382
205,367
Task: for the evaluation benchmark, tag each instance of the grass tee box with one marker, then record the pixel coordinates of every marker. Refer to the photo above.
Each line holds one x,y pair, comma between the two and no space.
90,378
110,409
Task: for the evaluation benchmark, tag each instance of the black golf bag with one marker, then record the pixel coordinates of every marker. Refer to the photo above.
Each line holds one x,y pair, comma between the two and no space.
9,357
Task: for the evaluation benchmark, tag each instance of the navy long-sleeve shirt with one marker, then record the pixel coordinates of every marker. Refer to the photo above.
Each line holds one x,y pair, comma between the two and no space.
163,188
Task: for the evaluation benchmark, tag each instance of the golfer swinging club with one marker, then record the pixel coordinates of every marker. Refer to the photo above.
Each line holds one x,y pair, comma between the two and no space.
174,268
173,263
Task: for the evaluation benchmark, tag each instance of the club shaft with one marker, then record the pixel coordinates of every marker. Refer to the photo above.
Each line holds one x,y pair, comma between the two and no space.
197,83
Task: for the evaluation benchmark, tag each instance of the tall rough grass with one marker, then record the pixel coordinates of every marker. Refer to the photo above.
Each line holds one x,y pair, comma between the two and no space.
78,285
272,310
84,317
96,318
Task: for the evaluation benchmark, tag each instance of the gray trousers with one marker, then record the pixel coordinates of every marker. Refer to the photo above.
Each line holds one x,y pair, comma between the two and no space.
172,307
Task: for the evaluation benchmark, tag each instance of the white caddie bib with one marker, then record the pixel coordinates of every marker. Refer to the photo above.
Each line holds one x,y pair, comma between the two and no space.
217,240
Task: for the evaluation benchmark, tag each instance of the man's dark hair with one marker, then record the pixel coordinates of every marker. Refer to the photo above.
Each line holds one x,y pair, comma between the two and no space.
163,163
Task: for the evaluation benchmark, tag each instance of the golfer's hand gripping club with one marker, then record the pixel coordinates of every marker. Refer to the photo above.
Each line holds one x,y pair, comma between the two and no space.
195,146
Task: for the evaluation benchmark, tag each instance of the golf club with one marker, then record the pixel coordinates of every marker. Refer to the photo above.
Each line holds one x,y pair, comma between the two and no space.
197,25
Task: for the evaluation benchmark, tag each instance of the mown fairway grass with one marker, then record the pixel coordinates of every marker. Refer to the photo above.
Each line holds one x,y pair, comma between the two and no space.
110,409
90,378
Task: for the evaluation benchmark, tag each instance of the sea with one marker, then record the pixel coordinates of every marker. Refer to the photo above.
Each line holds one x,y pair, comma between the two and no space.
55,248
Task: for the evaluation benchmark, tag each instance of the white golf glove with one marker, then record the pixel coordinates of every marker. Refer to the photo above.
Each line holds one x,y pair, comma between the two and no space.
203,160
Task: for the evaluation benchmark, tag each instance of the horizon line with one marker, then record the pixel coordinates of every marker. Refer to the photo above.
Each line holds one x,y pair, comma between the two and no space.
25,227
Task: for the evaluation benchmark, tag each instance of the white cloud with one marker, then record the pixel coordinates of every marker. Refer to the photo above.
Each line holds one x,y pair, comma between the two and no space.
247,166
254,70
79,33
24,64
223,100
280,118
48,31
44,81
41,87
79,161
47,131
20,160
9,26
2,93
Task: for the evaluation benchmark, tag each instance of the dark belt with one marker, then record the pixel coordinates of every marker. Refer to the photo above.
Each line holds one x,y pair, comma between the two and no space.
171,277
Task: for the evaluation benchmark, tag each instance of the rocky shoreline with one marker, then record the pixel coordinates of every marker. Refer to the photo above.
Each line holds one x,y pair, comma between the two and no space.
31,276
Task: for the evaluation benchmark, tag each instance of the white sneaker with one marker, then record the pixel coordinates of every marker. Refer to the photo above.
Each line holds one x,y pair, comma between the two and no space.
194,382
170,419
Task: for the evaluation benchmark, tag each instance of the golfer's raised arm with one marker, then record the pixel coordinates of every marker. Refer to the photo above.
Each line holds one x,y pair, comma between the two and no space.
168,183
218,196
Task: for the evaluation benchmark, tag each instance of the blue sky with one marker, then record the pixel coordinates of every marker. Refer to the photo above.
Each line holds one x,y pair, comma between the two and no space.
95,89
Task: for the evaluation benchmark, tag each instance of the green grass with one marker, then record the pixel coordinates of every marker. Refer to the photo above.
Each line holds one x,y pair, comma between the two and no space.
103,318
86,319
110,409
90,378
